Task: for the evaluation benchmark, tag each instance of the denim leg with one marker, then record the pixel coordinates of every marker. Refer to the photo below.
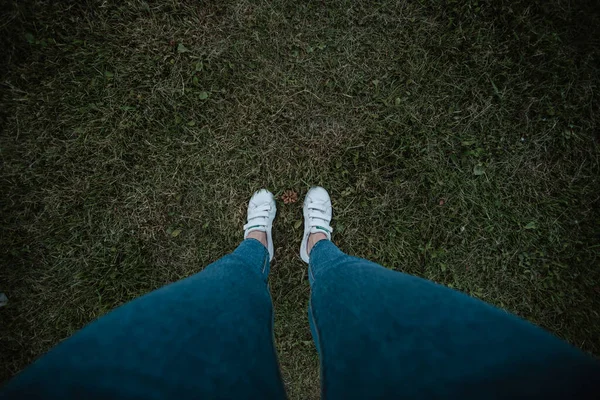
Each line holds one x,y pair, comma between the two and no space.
208,337
383,334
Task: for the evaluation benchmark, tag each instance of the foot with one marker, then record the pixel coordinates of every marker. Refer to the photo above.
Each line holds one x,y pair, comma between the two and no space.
317,217
261,213
260,236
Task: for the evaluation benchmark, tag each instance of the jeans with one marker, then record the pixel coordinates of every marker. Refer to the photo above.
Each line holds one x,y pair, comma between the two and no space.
380,334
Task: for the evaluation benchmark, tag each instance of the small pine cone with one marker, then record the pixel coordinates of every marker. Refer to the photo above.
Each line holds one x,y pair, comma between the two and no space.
289,196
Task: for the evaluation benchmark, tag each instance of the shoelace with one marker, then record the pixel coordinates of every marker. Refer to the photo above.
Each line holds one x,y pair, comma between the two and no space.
258,217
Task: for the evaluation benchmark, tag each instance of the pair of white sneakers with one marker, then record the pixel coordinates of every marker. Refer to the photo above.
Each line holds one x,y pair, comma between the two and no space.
317,216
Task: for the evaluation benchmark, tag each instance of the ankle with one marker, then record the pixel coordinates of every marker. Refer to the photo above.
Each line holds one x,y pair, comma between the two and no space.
313,238
258,235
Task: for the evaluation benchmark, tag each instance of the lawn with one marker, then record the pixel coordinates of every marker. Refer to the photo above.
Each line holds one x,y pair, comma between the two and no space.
459,141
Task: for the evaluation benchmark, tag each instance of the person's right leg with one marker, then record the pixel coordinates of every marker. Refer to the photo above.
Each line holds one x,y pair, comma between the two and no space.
383,334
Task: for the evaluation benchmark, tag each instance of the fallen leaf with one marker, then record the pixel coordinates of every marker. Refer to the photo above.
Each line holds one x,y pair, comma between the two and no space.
479,170
182,49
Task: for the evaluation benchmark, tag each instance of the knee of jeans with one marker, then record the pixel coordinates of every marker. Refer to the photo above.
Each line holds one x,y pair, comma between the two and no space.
346,268
337,282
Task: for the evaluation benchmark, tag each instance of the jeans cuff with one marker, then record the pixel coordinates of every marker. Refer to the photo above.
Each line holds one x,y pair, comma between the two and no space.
322,255
255,255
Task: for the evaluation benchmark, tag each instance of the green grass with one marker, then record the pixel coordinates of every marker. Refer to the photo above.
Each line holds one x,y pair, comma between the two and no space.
459,141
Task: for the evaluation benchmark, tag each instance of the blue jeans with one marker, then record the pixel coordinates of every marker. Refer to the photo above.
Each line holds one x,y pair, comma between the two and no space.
380,334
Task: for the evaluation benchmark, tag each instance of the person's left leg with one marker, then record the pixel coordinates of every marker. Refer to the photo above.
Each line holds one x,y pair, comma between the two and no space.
208,336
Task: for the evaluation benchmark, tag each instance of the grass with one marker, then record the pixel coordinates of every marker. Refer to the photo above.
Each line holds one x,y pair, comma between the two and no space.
459,141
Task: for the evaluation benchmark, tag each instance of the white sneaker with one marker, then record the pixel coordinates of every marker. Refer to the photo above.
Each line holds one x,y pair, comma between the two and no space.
261,213
317,216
